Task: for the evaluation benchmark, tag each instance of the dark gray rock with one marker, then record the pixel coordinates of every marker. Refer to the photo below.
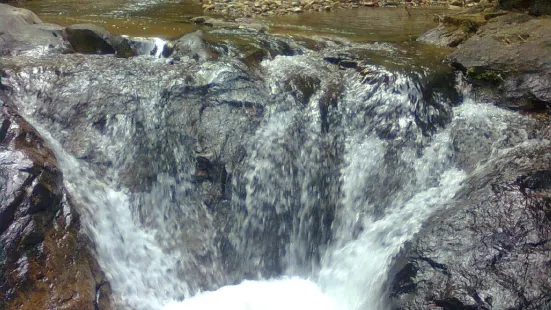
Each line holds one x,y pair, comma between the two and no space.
187,122
444,36
491,248
191,45
512,55
91,39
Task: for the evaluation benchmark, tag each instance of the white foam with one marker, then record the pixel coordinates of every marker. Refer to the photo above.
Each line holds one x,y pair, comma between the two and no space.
281,294
160,46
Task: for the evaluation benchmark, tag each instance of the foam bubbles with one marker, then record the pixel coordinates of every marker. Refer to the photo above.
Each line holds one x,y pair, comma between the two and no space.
281,294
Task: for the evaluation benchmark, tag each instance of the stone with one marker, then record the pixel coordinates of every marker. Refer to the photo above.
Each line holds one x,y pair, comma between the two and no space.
445,36
199,19
512,55
28,16
20,32
191,45
44,261
89,39
491,249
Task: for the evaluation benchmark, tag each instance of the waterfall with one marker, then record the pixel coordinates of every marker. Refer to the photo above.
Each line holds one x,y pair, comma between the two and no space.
140,271
332,171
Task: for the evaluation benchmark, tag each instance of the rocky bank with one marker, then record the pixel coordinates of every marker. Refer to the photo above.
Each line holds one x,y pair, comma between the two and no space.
506,56
492,250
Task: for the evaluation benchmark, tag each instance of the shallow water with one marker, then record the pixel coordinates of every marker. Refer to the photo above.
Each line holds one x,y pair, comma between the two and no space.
171,19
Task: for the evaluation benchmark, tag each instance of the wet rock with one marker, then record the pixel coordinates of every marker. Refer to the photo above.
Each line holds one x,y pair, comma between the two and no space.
21,31
91,39
209,109
191,45
28,16
44,260
491,248
302,87
444,36
511,54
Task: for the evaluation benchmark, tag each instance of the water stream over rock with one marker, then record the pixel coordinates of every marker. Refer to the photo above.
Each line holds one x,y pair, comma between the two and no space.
303,174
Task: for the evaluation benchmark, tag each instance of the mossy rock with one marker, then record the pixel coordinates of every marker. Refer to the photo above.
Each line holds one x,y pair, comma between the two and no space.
484,75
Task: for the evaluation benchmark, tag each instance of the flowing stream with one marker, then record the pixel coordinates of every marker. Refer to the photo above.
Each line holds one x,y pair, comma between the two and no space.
332,170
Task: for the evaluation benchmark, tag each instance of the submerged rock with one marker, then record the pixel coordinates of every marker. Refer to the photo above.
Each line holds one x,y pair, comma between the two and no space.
192,45
45,262
491,248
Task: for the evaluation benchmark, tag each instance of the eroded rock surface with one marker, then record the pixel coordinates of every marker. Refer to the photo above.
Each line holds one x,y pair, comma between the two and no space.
45,262
491,248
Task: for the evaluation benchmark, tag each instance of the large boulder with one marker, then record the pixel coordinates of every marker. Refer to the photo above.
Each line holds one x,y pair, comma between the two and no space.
44,260
491,248
22,31
512,55
28,16
92,39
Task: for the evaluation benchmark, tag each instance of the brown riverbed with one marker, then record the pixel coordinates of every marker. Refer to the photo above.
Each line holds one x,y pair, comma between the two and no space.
171,19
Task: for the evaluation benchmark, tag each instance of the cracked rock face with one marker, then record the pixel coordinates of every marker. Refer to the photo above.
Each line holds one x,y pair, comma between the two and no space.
45,262
491,250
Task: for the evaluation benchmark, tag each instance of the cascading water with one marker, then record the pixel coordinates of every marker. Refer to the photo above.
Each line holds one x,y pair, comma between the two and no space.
325,173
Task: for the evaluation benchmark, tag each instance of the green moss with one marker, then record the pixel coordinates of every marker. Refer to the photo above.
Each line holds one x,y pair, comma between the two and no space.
484,75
